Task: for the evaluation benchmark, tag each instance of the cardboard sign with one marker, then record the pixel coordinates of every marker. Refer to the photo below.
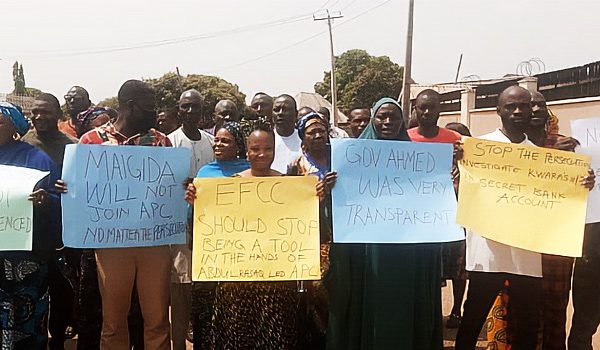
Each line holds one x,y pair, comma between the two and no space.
16,211
256,229
124,196
526,197
393,192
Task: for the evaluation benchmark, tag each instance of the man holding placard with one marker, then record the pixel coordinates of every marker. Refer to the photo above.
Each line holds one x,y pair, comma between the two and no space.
148,267
492,263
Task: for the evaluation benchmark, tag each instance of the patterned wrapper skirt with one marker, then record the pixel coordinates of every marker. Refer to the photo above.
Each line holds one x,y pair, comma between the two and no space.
24,304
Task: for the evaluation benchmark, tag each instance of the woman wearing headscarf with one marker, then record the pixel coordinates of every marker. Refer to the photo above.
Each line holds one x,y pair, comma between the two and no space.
230,158
263,314
24,274
90,119
385,296
315,160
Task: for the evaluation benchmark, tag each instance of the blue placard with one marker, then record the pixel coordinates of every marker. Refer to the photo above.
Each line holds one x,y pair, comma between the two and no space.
393,192
124,196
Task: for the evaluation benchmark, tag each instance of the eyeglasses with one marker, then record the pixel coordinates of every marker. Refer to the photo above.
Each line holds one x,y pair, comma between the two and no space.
71,98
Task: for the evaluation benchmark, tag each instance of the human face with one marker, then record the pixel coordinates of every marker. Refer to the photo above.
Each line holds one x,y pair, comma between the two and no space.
539,111
387,121
261,150
190,109
427,109
166,123
284,113
263,105
225,147
316,138
76,101
225,112
143,112
514,107
44,116
7,130
359,119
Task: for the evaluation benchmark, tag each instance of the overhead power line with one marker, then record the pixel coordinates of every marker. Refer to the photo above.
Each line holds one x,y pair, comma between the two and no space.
164,42
299,42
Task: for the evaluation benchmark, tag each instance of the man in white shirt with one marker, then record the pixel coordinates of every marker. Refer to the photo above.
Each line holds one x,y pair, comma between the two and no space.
200,142
490,263
287,141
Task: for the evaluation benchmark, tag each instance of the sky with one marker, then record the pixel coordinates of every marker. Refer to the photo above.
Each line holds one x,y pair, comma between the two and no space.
275,46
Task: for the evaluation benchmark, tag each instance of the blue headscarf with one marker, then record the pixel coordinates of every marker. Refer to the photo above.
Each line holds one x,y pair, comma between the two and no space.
15,114
371,134
308,120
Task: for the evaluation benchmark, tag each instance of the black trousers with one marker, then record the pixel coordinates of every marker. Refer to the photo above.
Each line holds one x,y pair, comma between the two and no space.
586,303
524,308
62,300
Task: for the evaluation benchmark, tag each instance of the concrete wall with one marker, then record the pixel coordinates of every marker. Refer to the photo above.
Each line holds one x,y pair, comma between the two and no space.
485,120
568,110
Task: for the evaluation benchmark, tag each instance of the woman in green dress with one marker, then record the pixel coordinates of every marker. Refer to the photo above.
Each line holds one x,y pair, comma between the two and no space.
385,296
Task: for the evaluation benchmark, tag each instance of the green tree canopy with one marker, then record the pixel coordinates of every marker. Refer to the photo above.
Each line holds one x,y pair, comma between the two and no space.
111,102
170,86
362,79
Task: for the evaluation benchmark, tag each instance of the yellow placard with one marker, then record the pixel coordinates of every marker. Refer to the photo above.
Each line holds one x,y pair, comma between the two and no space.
523,196
256,229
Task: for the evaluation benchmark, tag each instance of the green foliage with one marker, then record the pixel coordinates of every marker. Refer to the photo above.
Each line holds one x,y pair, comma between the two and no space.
111,102
170,86
362,79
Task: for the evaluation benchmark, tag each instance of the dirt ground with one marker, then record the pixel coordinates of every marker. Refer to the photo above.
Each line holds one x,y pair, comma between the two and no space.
449,334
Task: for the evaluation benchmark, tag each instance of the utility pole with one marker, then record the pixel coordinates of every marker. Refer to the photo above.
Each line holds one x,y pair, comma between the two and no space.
458,69
330,19
408,64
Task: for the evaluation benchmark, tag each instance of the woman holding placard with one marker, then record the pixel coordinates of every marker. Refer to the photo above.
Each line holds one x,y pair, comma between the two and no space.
253,315
385,296
230,158
24,277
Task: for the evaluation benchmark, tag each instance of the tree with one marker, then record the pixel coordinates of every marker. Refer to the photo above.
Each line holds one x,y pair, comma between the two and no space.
111,102
362,79
170,86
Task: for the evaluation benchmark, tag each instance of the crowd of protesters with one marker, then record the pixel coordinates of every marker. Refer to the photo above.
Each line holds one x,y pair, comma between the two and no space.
370,296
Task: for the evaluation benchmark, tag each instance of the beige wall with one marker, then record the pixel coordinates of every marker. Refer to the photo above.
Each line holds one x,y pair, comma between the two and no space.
574,109
482,122
485,120
448,117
